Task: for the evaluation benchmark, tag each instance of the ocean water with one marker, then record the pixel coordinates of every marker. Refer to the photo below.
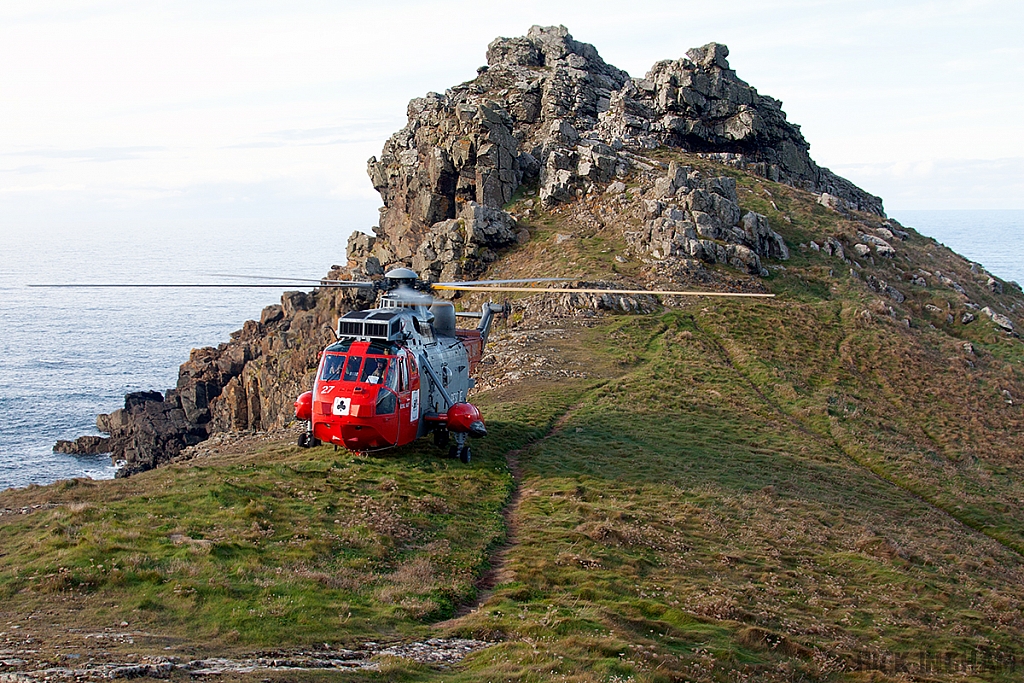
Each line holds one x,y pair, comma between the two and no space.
993,238
68,354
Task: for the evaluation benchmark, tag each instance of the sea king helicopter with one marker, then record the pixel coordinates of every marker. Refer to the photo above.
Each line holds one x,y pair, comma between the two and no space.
403,370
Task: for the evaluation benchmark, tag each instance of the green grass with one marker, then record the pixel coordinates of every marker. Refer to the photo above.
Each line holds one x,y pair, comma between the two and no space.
816,487
679,524
290,545
705,507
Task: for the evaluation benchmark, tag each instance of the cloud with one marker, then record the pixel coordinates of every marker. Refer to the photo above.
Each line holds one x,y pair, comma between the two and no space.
352,131
273,144
25,170
280,202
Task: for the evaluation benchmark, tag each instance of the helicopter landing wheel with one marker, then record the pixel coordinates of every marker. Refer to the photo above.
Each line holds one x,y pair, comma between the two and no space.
305,440
465,454
453,451
441,438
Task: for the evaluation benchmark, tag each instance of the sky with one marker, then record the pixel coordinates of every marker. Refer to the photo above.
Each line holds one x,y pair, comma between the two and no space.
235,113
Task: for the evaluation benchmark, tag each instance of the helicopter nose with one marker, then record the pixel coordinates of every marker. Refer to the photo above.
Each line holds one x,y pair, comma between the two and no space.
477,429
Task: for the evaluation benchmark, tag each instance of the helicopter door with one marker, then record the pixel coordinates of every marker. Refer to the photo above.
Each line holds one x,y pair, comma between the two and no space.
408,399
384,373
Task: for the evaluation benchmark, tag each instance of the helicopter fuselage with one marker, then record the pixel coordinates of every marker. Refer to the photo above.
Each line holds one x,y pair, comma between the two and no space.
396,373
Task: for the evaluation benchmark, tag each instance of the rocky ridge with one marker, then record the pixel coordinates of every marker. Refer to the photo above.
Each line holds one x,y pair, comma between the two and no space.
246,384
548,112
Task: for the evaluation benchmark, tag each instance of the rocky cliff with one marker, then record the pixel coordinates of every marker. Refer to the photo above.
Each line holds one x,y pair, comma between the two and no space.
548,134
548,112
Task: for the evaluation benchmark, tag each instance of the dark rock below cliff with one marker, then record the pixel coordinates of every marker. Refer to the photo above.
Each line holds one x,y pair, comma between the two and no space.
83,445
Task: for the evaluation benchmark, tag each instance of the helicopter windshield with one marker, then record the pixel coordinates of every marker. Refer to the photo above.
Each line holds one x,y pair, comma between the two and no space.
375,370
332,368
352,368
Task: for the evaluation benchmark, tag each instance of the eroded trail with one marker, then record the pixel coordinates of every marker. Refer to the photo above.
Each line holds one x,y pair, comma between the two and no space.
499,572
546,348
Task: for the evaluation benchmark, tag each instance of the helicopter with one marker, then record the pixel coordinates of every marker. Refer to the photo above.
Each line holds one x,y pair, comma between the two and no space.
404,370
398,372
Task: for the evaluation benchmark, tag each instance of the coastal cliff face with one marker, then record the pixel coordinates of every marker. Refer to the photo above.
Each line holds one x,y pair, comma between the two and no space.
582,172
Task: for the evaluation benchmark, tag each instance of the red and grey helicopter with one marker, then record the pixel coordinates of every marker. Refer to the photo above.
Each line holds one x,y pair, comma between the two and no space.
397,372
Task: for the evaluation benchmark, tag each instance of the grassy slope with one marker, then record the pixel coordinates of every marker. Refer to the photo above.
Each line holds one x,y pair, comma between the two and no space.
784,490
679,523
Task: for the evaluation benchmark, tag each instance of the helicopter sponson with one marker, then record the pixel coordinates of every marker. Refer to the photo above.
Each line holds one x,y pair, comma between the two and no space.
396,373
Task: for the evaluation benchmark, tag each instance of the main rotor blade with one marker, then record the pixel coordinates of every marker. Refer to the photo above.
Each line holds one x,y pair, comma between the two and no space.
553,290
279,285
502,282
265,278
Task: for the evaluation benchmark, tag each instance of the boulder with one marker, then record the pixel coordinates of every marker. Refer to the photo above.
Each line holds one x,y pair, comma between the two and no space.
834,247
487,226
137,398
293,302
84,445
271,314
883,287
999,319
760,236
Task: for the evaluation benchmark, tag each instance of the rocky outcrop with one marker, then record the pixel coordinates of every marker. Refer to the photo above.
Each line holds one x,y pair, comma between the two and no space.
547,111
248,383
151,429
83,445
695,216
698,104
1001,321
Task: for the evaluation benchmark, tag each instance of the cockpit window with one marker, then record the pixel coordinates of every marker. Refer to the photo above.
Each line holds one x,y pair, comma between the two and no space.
374,370
352,368
332,368
381,348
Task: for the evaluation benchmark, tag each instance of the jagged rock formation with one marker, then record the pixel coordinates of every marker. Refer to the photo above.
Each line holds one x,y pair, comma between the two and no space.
83,445
698,217
548,111
249,383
